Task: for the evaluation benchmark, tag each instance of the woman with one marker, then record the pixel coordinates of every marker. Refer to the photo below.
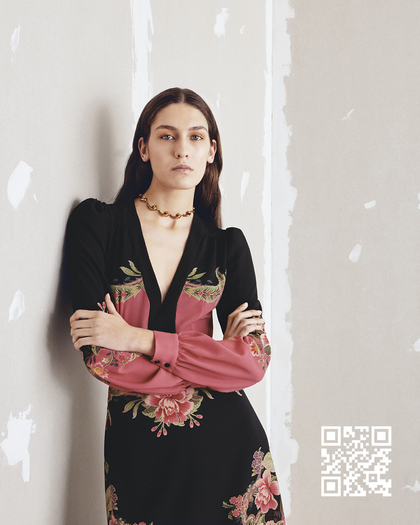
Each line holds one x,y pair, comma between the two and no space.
183,445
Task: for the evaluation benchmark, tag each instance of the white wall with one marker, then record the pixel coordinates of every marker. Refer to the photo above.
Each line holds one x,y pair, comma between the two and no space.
66,112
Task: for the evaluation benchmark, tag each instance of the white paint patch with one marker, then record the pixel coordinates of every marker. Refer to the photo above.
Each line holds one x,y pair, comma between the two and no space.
355,253
416,346
36,200
16,445
221,18
218,101
244,183
142,30
280,191
242,30
348,116
14,41
18,183
17,307
414,488
370,204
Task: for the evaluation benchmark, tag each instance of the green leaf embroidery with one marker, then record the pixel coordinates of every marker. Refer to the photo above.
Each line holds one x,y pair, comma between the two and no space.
130,405
207,393
205,292
135,409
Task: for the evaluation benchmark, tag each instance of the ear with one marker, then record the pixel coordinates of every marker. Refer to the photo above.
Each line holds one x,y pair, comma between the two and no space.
212,152
143,150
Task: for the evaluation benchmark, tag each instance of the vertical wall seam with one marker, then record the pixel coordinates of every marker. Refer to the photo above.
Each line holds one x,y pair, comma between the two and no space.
284,448
267,190
142,31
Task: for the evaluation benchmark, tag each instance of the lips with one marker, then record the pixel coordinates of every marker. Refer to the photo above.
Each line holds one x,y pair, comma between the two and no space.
182,168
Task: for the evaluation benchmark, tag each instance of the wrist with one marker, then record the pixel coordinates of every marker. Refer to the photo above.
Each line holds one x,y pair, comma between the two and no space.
142,341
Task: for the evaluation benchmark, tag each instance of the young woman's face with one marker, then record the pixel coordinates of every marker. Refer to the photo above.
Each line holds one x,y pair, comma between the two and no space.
179,147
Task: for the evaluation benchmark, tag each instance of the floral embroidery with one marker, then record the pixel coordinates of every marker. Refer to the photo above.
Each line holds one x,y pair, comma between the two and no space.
111,505
122,292
260,348
204,292
98,366
267,489
167,410
259,497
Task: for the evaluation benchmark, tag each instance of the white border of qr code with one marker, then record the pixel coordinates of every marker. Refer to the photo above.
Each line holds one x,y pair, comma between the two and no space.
332,436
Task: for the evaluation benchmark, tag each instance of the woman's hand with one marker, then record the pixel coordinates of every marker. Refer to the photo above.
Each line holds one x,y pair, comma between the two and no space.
242,322
109,330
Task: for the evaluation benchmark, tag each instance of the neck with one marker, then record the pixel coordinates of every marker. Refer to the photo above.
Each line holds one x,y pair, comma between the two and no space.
171,201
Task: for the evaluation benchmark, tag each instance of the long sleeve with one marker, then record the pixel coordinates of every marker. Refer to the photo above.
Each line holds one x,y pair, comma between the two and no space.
227,365
88,233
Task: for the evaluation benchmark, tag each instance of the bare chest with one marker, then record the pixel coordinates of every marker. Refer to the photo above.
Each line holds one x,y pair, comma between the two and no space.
165,250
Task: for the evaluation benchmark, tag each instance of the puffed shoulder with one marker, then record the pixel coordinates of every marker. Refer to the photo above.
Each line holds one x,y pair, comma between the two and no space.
237,245
88,210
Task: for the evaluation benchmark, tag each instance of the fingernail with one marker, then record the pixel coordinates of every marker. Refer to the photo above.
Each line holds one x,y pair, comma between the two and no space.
245,304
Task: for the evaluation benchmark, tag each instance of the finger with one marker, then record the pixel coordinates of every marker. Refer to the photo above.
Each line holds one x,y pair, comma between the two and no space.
82,323
110,305
240,317
83,341
240,308
82,314
246,330
79,334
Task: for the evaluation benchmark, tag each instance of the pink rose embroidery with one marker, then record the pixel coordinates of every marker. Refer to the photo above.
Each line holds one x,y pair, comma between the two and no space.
266,488
173,408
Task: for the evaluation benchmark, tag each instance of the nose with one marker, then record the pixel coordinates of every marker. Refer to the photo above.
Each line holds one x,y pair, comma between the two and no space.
181,149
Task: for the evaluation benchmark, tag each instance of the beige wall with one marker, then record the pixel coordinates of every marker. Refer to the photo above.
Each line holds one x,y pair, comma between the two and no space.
66,112
354,324
339,81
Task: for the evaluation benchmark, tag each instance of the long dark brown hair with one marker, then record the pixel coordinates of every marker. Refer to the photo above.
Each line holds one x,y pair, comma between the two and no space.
138,174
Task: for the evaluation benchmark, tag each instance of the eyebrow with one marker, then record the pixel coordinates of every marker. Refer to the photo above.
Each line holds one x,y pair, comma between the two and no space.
173,128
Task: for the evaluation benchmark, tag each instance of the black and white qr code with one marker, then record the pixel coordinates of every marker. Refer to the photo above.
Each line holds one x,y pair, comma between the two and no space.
355,461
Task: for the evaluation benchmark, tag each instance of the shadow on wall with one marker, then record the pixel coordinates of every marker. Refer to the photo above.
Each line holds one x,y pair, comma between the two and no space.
105,146
84,482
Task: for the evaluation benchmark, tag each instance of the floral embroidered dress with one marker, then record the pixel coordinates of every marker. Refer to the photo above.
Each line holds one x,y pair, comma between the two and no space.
183,445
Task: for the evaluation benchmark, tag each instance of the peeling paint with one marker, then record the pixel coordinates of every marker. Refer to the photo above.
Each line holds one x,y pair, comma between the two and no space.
244,183
284,448
14,41
142,30
414,488
221,18
355,253
18,183
348,116
16,445
370,204
17,307
416,346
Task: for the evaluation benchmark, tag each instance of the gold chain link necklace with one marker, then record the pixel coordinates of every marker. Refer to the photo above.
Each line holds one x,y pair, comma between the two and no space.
152,207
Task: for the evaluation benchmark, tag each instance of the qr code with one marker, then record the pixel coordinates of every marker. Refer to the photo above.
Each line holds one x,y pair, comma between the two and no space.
355,461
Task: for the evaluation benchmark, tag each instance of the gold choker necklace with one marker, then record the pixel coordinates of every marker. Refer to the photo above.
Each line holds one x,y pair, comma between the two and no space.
152,207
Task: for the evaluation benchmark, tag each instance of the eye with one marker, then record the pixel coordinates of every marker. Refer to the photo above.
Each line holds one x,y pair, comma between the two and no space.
196,137
167,137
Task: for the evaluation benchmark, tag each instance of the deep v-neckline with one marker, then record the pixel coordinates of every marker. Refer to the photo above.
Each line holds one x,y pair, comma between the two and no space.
162,310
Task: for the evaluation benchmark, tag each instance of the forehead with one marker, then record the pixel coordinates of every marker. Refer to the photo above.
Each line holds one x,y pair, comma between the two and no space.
179,116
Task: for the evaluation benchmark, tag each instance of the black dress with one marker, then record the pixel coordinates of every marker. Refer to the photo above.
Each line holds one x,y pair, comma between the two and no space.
183,445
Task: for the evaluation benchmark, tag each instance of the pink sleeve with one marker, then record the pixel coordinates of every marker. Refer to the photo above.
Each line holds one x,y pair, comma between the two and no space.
132,372
226,366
